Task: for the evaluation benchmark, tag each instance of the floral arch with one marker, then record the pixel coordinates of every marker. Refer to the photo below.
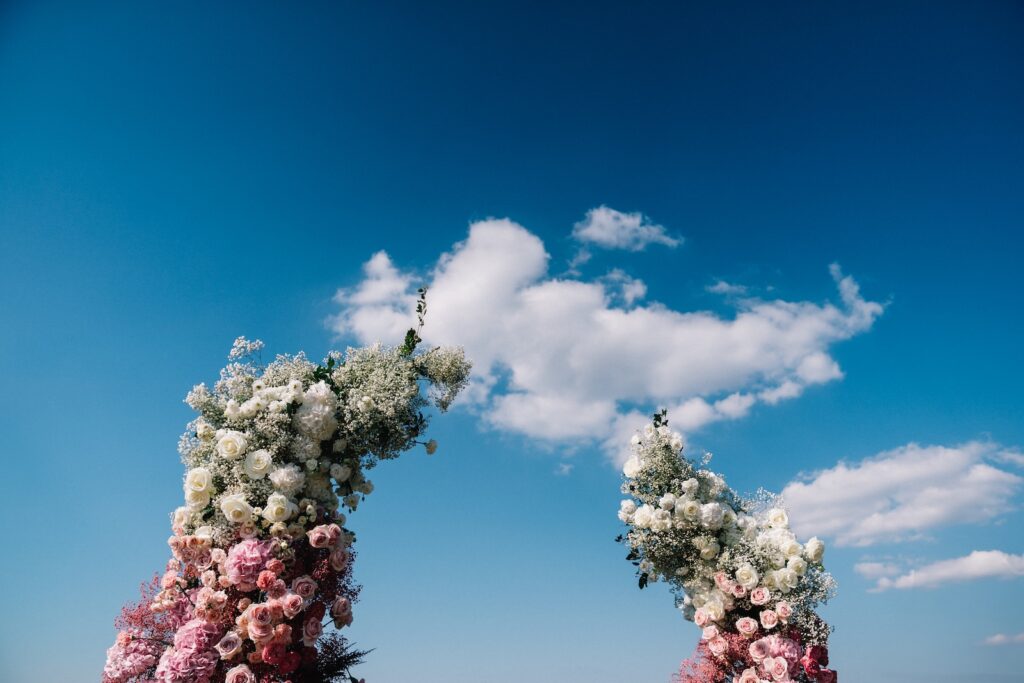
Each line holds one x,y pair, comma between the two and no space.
262,558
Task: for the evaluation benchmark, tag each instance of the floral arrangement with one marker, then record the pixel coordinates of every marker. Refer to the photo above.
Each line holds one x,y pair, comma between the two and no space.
736,569
260,551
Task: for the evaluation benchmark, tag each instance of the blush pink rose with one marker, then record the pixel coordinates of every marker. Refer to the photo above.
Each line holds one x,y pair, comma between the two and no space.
260,613
749,676
709,632
311,630
229,645
334,531
760,595
746,626
738,591
722,581
240,674
304,586
339,559
718,646
291,605
783,609
700,617
341,612
759,650
769,619
319,536
779,668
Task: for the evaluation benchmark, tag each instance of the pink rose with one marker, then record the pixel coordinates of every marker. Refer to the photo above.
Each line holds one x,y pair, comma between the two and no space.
260,633
341,612
273,653
291,605
722,581
777,667
229,645
304,586
700,617
260,613
311,630
746,626
718,646
769,618
749,676
783,609
339,559
319,537
240,674
334,531
760,595
709,632
759,650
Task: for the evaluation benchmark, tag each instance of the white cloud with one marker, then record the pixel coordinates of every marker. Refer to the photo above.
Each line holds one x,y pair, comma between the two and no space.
564,469
727,288
980,564
902,493
610,229
876,570
1003,639
586,360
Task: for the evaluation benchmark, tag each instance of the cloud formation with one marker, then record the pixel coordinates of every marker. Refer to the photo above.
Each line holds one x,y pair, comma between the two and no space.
903,493
610,229
586,360
980,564
1003,639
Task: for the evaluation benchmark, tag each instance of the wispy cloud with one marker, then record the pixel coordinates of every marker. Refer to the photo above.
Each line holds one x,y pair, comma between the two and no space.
903,493
876,570
610,229
727,288
980,564
1003,639
585,360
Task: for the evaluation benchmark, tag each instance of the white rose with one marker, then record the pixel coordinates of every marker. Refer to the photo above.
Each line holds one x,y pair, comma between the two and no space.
235,508
690,487
199,480
778,518
797,565
626,510
204,532
181,516
690,509
196,500
643,517
709,550
747,576
662,520
676,443
257,463
667,502
814,550
791,548
631,468
278,508
230,444
711,515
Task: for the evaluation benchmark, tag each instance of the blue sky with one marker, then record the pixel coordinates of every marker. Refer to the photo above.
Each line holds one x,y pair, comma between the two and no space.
172,177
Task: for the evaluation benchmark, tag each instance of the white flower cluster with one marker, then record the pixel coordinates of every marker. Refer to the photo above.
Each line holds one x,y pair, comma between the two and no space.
734,563
274,447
